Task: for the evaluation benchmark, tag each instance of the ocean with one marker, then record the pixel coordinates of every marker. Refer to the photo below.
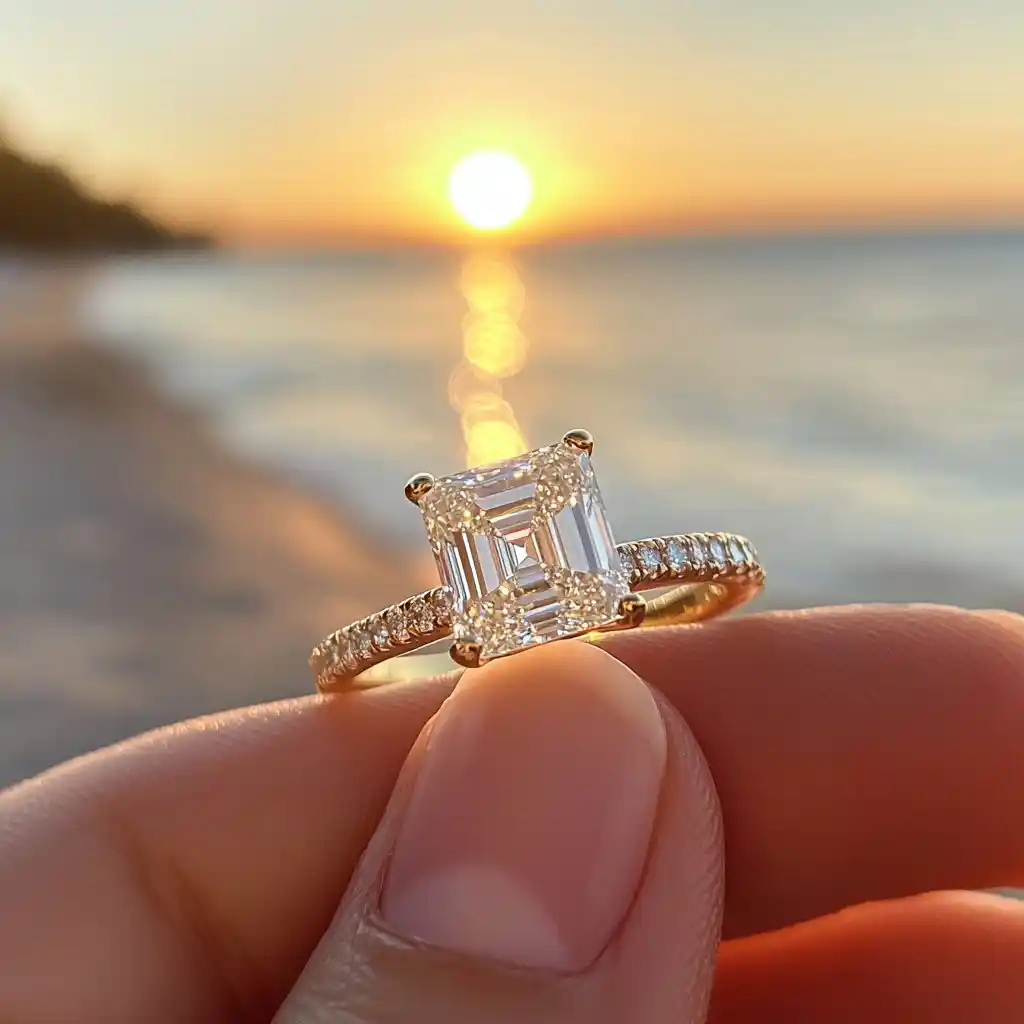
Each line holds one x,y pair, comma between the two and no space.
853,404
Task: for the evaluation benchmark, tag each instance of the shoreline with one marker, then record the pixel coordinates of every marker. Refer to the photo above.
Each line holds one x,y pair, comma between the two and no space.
149,575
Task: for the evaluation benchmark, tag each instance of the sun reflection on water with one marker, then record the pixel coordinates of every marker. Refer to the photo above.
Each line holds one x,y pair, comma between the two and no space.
494,349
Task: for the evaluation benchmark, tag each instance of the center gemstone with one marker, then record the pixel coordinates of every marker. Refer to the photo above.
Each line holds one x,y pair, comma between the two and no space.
525,550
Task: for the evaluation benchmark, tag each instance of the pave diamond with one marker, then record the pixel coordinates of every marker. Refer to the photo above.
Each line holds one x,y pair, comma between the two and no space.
649,561
676,555
698,550
359,642
525,550
716,549
348,661
379,633
440,608
737,554
397,626
629,569
335,657
422,615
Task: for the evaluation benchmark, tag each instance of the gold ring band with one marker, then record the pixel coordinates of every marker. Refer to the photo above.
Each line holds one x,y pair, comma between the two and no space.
706,575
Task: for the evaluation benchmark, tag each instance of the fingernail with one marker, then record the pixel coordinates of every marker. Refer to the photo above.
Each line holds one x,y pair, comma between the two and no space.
529,822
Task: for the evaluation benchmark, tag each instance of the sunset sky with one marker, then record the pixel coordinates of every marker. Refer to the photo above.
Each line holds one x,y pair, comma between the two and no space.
321,119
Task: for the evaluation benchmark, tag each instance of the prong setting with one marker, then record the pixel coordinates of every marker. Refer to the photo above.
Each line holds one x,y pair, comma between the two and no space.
581,440
418,486
467,653
632,611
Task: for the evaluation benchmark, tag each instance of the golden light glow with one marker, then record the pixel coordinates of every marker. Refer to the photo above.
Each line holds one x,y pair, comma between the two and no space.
492,340
490,189
493,441
493,348
494,344
491,284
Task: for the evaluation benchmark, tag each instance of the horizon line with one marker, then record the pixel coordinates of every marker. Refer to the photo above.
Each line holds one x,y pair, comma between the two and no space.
838,229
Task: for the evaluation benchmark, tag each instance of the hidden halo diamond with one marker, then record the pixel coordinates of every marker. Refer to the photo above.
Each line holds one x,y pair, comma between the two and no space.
526,555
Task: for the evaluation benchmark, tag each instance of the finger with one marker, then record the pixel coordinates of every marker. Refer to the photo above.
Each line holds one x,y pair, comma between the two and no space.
945,958
187,874
204,862
552,853
859,753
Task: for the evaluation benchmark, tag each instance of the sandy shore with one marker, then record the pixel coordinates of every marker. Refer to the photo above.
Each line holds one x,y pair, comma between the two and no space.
147,576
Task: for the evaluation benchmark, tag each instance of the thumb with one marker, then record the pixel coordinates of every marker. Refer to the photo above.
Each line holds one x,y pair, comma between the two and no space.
552,853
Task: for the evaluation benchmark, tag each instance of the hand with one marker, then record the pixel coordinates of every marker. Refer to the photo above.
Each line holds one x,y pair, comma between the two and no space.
557,814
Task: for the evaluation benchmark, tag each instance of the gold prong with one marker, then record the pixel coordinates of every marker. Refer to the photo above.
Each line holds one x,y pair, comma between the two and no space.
632,611
418,486
466,653
581,440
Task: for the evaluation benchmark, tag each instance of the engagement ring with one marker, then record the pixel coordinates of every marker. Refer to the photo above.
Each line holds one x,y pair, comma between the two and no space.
526,555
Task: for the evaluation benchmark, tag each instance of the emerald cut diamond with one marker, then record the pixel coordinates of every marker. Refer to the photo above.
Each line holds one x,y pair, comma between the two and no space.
525,550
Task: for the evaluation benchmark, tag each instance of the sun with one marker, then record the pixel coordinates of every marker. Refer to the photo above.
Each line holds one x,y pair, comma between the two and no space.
490,189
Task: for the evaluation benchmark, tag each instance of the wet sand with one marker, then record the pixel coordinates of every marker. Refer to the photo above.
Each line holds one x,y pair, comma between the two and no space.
146,575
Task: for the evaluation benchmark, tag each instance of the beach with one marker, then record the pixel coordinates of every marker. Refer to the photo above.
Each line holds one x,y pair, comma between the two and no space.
147,575
193,494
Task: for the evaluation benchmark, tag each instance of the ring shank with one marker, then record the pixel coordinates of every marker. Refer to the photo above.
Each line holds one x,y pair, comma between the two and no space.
700,576
697,602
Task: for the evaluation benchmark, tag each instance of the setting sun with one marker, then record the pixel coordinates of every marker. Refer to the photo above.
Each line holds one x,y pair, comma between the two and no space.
490,190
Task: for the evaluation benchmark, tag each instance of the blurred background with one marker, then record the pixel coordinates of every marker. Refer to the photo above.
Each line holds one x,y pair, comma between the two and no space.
261,262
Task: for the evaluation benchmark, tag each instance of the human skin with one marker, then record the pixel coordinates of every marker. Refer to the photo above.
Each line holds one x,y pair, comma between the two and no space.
799,779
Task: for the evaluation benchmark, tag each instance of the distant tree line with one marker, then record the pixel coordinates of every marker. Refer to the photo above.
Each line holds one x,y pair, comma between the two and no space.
43,209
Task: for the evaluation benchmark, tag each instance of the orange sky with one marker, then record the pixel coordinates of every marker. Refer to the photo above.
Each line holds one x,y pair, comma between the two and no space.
313,123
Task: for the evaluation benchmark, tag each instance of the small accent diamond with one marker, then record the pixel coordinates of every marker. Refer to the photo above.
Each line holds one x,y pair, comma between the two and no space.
335,656
699,553
397,626
719,557
441,608
737,554
629,569
349,660
379,633
359,641
649,561
422,615
676,555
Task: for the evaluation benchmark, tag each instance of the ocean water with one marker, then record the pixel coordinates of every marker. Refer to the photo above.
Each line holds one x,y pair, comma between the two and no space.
854,405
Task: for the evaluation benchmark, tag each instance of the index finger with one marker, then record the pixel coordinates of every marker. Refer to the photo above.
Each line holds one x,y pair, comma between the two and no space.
859,753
